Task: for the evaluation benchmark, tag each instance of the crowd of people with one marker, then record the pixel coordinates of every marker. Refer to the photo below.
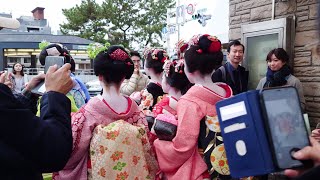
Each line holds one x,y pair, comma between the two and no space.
123,132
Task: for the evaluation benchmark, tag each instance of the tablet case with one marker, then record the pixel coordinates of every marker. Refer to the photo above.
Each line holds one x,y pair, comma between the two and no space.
244,135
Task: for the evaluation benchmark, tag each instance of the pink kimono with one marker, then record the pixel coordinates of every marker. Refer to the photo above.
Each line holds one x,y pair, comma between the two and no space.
96,112
179,158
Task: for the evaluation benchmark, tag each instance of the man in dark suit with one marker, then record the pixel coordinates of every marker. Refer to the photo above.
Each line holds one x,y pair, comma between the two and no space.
232,73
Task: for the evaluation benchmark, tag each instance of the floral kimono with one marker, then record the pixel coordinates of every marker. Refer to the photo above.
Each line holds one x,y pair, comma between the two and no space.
181,157
167,105
96,112
150,96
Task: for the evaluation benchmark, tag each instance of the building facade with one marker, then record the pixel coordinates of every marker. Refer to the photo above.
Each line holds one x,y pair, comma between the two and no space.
302,43
22,45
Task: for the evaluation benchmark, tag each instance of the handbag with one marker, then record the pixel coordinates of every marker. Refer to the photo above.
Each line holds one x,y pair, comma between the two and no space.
165,126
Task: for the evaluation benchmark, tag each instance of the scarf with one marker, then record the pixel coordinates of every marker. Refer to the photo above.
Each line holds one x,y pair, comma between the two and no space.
277,78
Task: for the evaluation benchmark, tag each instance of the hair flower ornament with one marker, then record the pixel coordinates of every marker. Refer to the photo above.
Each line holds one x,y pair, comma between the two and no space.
119,55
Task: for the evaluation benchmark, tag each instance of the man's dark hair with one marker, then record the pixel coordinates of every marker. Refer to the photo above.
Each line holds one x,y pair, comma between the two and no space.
135,53
234,43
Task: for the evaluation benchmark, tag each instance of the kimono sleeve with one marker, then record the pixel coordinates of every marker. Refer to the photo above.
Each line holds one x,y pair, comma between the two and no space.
172,155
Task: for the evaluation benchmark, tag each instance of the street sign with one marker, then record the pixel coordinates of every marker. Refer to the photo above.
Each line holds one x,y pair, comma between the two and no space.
190,9
164,30
180,11
201,11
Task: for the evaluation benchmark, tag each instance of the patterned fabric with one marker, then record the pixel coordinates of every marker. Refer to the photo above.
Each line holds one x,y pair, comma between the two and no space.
146,99
94,113
211,148
150,96
167,105
121,151
180,158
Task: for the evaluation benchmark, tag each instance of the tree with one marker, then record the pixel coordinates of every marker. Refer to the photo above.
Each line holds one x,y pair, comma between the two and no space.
85,20
152,21
124,22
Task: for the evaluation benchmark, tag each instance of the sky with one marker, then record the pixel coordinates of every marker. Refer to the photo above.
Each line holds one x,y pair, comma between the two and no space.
217,25
52,12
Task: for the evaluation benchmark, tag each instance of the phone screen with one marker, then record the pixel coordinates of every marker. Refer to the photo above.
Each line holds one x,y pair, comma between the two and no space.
286,124
52,60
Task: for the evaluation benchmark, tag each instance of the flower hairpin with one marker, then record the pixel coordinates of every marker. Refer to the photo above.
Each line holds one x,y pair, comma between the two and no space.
119,55
155,53
166,67
178,68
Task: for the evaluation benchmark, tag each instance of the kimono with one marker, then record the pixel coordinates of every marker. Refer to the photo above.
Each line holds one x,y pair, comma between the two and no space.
150,96
180,158
167,105
95,112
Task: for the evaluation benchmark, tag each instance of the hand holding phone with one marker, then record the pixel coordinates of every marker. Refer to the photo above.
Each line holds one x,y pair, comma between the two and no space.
285,125
59,80
316,133
59,61
307,153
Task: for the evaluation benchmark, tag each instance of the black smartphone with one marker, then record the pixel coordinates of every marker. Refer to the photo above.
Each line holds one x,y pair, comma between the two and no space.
49,61
285,125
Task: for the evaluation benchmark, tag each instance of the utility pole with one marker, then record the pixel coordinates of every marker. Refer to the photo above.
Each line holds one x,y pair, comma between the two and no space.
168,33
177,19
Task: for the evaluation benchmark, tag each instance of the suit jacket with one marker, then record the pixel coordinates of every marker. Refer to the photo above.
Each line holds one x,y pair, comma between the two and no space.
30,145
242,86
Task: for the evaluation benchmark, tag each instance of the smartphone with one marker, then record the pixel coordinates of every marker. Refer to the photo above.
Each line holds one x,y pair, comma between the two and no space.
49,61
285,125
52,60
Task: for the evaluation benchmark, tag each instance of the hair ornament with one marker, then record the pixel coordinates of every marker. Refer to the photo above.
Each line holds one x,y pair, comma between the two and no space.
194,40
178,68
146,51
215,45
181,47
199,51
166,67
119,55
155,52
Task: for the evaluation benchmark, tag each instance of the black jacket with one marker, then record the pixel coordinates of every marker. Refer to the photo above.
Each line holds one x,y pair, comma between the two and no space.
30,145
237,88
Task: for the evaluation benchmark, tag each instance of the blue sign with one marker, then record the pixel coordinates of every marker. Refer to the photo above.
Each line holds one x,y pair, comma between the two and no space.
164,30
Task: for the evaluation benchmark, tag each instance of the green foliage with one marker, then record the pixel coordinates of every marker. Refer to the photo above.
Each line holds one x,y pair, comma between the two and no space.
94,48
86,21
43,44
121,21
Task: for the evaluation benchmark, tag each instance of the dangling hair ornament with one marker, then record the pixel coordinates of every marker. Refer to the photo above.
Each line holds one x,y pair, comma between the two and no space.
195,41
178,68
155,53
119,55
166,67
181,47
146,51
199,51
